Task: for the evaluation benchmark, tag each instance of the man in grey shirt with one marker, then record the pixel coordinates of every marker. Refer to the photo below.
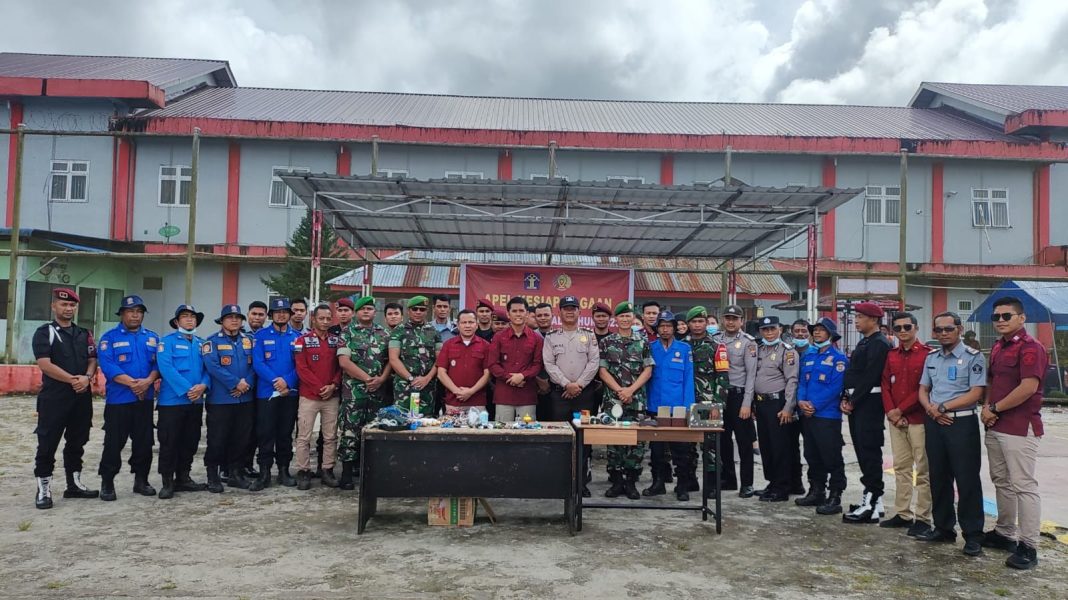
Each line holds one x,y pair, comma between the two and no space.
738,419
775,389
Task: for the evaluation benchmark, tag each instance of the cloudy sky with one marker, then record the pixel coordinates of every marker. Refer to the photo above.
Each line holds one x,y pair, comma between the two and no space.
854,51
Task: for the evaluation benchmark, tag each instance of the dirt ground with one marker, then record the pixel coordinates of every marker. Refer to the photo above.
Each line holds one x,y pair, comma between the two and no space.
282,543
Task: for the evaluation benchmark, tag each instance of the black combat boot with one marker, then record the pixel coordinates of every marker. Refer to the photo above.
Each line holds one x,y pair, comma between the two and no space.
263,479
215,485
284,477
815,497
329,479
166,492
107,489
630,486
346,476
656,488
75,488
304,480
142,486
682,489
184,483
616,489
238,479
832,506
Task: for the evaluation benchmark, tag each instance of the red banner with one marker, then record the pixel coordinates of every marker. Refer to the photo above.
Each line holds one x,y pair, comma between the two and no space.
498,283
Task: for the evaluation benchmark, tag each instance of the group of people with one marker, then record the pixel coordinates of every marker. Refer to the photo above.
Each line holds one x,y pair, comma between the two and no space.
264,375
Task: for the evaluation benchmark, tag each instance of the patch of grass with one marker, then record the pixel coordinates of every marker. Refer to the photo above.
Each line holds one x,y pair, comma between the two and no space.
56,585
684,547
1001,592
25,525
168,585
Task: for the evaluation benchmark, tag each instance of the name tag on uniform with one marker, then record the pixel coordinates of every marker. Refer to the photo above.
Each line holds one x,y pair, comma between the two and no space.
268,342
952,373
773,355
224,347
120,344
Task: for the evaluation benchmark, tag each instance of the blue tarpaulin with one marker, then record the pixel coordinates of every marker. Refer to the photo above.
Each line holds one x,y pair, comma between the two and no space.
1044,301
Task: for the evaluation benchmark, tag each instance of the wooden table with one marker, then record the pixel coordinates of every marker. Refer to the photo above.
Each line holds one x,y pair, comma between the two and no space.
483,463
612,435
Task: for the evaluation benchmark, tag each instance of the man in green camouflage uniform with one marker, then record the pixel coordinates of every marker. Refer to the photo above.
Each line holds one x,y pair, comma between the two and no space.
626,364
710,385
364,358
413,350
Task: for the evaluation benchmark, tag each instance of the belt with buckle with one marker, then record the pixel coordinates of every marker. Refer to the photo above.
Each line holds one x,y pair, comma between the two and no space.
961,413
775,396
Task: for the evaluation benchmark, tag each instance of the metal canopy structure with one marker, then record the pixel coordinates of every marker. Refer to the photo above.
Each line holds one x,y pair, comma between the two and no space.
561,217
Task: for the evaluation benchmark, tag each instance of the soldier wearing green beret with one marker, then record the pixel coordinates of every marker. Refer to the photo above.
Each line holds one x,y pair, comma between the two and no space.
364,358
626,364
710,384
413,350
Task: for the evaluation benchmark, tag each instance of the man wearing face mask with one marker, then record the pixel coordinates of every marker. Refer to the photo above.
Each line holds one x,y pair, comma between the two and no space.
775,391
738,416
127,356
710,382
181,402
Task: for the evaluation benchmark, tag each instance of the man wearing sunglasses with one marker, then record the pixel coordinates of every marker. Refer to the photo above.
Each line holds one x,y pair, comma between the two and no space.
901,402
953,381
1013,420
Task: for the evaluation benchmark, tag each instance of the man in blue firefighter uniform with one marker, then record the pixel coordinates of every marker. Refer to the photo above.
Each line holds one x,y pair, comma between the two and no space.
276,394
127,356
181,401
671,385
228,359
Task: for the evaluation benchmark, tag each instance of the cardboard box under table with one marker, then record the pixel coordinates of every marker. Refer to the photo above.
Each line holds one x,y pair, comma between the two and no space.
472,463
615,435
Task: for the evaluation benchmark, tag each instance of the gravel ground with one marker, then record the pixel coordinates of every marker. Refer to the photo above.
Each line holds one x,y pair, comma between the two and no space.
282,543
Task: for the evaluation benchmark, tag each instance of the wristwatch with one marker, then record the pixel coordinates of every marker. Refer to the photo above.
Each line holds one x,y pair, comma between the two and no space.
993,408
942,409
411,378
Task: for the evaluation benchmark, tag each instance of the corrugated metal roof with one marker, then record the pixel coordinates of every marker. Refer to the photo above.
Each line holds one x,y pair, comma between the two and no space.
560,115
416,276
160,72
1010,98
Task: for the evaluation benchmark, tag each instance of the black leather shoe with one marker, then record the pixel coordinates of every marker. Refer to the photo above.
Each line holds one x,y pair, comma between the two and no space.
303,480
972,548
917,528
238,480
993,539
75,488
630,489
142,486
262,482
1023,558
656,489
615,491
813,498
285,478
328,478
681,494
250,473
895,522
774,497
166,491
184,483
215,485
747,492
934,535
346,483
832,506
107,490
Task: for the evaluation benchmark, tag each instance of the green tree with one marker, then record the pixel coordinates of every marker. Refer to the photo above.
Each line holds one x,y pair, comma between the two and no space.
294,280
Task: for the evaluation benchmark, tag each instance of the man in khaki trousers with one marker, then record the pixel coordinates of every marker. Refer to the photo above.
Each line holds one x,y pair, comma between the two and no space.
901,388
315,355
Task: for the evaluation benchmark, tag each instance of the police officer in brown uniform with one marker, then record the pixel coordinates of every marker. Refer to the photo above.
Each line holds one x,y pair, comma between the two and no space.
738,420
775,390
66,355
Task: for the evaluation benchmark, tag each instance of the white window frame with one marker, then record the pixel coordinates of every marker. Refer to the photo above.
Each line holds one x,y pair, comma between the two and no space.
990,208
392,173
64,168
624,179
291,199
464,175
545,177
965,306
180,180
889,205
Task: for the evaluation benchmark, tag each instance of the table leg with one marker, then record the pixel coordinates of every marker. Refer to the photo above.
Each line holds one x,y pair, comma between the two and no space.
361,508
704,486
580,454
719,487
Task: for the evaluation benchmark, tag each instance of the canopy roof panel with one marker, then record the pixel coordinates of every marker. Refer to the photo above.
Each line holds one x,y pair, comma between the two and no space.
562,217
1043,301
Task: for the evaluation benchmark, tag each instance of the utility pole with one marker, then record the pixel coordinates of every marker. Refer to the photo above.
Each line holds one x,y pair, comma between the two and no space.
190,245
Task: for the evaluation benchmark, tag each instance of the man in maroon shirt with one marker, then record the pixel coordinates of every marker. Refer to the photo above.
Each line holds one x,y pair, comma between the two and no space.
315,354
462,366
1013,419
514,361
901,391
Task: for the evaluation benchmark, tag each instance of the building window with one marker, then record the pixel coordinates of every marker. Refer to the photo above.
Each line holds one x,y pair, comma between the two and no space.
112,297
392,173
37,305
281,195
175,182
882,205
543,177
964,306
990,207
623,179
70,181
463,175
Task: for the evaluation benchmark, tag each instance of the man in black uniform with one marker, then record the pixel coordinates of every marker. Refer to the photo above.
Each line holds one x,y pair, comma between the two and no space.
862,400
484,315
66,355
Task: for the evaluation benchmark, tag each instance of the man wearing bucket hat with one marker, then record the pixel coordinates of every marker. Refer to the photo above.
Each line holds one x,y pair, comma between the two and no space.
181,401
127,357
819,392
227,356
413,350
863,402
66,355
276,394
672,385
